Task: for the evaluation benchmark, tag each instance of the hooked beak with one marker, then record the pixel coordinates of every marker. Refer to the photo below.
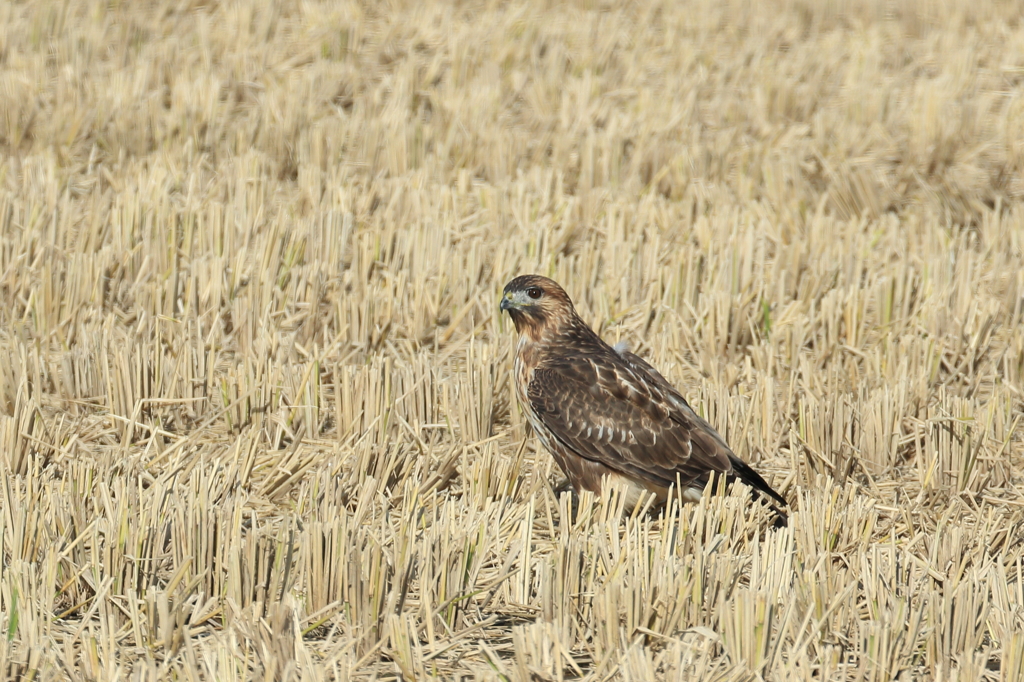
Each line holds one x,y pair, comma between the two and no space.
506,302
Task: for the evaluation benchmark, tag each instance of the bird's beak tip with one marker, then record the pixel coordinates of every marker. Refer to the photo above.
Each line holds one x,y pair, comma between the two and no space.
505,304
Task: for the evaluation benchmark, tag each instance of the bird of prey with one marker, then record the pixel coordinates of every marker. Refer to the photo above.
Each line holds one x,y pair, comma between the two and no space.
602,411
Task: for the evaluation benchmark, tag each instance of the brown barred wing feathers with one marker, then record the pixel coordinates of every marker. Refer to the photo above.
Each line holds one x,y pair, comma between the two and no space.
600,409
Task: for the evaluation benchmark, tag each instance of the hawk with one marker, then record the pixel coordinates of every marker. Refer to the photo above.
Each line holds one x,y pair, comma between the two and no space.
602,411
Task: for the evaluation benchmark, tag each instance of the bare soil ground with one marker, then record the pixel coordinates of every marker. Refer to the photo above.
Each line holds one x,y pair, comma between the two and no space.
256,419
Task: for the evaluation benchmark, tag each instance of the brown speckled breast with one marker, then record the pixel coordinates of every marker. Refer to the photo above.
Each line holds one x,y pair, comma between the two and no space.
582,473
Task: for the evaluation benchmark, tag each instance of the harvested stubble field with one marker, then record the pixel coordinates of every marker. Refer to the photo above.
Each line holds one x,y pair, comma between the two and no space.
257,419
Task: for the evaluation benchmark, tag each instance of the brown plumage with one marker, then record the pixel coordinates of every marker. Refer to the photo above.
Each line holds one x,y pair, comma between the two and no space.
601,411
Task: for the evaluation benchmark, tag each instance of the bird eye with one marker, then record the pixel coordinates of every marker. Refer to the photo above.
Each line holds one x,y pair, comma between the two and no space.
534,292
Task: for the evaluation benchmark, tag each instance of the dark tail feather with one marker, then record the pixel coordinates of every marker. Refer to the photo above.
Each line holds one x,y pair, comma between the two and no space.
742,471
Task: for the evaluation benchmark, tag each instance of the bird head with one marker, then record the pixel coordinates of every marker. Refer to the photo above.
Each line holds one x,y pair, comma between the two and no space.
534,302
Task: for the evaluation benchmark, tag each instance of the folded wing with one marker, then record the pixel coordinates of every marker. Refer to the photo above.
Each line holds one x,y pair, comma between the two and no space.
621,414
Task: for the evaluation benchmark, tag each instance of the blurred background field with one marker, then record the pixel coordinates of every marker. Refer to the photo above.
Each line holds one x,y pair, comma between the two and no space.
255,412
